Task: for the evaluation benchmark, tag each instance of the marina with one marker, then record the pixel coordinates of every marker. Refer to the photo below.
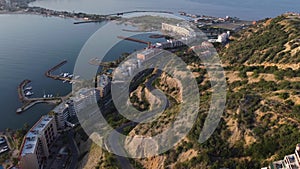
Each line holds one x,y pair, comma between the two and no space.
24,92
29,102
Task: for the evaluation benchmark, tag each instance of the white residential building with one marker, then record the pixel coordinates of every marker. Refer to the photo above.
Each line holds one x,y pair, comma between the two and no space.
83,98
35,147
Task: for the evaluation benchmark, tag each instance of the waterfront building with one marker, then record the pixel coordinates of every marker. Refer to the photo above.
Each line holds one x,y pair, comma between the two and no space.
63,112
61,115
35,148
84,97
71,108
170,44
103,85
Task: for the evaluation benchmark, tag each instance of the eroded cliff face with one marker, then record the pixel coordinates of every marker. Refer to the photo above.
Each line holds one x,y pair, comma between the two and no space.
171,86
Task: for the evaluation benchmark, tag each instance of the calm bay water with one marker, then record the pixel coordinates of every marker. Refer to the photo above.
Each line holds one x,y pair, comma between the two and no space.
250,10
29,45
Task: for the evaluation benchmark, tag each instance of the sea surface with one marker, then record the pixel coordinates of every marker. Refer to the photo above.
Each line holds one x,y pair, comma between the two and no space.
29,45
248,10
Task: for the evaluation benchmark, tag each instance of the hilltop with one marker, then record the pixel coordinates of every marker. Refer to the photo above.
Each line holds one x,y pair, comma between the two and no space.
271,41
261,122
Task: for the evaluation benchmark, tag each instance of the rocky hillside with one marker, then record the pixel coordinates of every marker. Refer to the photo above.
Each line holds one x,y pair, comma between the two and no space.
261,122
272,41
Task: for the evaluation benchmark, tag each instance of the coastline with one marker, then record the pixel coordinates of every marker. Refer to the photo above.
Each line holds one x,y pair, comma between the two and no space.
20,9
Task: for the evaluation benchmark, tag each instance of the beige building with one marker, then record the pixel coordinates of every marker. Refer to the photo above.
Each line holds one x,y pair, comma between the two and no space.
35,147
146,54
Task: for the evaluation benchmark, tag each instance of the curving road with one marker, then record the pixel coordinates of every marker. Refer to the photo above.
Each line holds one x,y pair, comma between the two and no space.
114,140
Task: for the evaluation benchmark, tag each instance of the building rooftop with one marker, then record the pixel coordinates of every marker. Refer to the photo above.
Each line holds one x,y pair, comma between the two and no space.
61,107
103,80
31,138
292,161
83,93
277,165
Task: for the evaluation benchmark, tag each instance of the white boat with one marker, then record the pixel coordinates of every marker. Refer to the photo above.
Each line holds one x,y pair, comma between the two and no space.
28,88
28,93
44,95
66,74
4,150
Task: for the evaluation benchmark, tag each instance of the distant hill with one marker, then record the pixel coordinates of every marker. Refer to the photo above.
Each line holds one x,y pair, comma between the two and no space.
269,41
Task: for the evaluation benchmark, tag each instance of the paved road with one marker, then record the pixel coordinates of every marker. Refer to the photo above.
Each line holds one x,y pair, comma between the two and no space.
115,146
74,150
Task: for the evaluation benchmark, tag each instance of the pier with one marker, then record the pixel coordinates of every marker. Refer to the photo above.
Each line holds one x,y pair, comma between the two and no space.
21,90
57,77
82,22
134,40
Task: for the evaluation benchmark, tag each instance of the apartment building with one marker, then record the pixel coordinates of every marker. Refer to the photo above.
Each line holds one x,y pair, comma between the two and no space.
85,97
103,85
35,147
